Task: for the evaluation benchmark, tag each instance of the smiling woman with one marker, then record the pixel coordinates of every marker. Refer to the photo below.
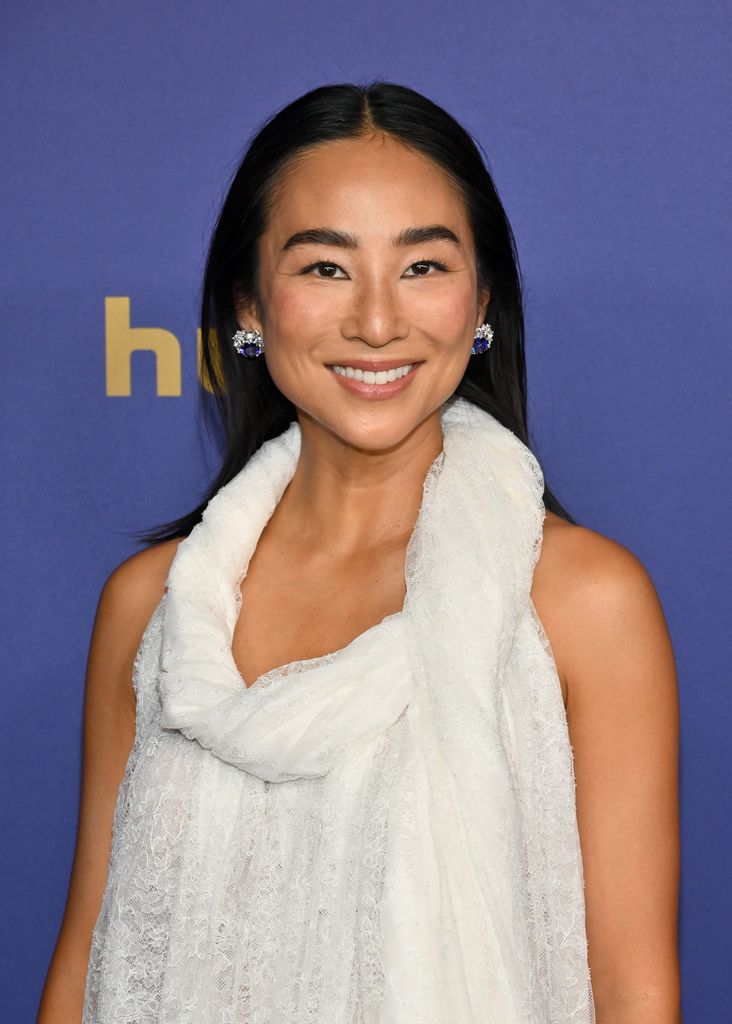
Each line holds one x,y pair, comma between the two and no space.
377,732
377,292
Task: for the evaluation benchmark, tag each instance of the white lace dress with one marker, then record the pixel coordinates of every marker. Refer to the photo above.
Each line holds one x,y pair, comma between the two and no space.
384,835
291,930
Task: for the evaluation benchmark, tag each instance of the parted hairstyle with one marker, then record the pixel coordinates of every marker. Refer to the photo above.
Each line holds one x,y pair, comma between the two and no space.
250,408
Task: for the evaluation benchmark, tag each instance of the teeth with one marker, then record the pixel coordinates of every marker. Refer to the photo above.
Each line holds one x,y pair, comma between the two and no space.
371,377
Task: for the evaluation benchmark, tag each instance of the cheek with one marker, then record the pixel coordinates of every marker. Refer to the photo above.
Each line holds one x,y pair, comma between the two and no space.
446,309
298,321
296,306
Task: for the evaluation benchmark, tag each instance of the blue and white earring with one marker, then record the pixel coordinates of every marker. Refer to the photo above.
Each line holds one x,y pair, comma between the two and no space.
483,339
248,343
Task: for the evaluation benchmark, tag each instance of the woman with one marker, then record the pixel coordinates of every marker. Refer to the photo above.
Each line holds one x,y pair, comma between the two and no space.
374,671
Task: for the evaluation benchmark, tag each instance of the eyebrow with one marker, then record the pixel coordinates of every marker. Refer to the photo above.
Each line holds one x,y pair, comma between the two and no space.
409,236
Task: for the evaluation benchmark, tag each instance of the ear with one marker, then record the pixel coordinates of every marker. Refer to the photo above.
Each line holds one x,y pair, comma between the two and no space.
247,313
484,298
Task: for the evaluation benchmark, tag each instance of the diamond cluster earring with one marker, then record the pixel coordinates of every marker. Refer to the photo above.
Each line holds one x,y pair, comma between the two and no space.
248,343
483,339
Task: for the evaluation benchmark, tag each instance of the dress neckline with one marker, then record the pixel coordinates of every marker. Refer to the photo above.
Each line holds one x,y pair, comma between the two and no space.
303,665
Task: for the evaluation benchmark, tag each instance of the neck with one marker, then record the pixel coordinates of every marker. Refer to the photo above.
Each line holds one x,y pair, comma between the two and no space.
348,500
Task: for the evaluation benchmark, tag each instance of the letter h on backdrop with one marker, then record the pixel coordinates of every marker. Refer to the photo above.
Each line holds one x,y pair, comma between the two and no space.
121,340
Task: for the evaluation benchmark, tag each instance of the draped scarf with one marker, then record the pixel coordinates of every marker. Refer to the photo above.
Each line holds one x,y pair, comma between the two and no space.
483,910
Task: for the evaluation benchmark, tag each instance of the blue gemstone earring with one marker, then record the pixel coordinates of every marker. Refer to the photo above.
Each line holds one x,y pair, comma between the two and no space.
483,339
248,343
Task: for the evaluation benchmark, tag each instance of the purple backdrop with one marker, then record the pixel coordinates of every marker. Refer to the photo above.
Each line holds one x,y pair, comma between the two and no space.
606,131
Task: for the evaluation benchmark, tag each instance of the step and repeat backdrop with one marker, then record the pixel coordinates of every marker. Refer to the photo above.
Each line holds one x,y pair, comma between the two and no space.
605,128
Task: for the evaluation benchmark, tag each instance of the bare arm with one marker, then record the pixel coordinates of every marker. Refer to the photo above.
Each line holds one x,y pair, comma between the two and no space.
623,718
126,603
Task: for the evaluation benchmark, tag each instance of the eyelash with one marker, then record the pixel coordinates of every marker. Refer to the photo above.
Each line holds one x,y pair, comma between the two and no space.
417,263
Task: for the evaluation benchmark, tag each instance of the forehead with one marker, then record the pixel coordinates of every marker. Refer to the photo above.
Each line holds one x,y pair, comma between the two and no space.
369,184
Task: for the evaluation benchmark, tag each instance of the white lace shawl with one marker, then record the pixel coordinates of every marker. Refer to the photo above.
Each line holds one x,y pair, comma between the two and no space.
483,910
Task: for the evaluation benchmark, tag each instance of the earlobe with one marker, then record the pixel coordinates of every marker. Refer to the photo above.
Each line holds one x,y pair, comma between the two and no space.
248,322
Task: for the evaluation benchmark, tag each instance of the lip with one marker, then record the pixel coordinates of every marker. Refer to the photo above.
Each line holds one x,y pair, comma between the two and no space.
375,391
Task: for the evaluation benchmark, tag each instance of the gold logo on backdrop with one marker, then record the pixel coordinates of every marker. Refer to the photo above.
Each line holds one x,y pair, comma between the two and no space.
121,340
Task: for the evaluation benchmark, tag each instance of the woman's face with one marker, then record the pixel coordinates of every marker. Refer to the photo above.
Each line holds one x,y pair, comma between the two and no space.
367,264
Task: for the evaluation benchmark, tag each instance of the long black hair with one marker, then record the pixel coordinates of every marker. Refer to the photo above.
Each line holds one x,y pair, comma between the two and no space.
251,408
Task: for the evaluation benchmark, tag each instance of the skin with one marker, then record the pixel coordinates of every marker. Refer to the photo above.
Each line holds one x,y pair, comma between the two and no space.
336,543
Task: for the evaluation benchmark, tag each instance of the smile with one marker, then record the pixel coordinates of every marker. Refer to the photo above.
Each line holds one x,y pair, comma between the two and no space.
371,377
375,384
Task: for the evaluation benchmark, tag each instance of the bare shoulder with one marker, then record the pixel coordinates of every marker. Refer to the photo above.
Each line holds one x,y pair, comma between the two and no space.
137,584
596,601
580,559
129,598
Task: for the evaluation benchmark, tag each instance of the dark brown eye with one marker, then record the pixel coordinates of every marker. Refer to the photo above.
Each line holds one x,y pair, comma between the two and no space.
422,267
329,270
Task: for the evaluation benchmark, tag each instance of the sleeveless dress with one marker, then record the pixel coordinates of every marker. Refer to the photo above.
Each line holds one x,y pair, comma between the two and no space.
382,835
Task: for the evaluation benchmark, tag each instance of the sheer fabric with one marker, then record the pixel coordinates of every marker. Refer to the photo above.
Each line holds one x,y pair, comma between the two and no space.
385,835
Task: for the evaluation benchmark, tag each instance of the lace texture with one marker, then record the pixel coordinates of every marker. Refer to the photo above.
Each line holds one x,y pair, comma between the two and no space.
384,835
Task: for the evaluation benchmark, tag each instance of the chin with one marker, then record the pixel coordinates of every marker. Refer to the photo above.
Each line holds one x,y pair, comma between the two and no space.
376,440
373,429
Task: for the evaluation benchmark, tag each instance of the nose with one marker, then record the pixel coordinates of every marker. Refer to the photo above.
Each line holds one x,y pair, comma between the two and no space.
375,317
